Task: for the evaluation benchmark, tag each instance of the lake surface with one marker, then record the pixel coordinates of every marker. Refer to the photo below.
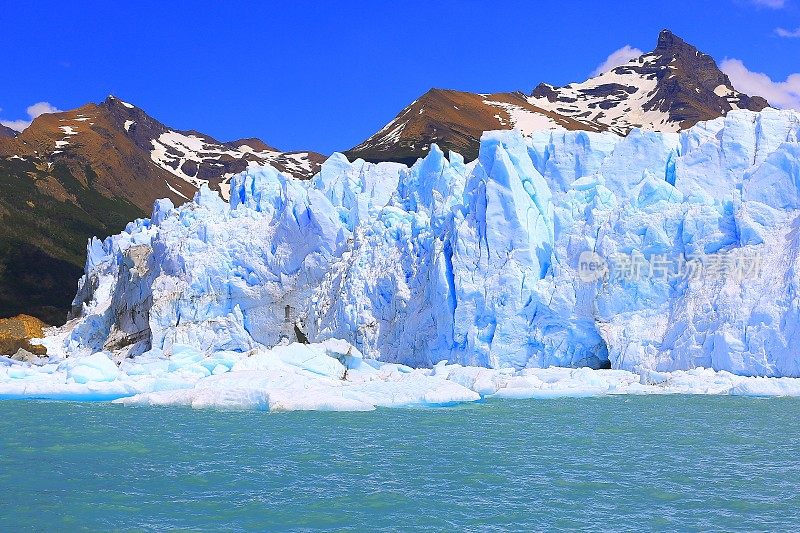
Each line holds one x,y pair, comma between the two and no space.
612,463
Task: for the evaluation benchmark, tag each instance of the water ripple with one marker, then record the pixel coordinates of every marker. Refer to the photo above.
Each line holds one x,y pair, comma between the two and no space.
632,464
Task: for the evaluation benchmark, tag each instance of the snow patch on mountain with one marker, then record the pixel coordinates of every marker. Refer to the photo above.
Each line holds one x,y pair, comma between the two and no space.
172,150
616,99
524,120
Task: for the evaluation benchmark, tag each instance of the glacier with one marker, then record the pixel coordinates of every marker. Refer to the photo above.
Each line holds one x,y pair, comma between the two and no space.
558,262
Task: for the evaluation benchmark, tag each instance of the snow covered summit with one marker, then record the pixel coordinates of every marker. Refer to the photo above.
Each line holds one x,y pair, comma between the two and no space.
668,89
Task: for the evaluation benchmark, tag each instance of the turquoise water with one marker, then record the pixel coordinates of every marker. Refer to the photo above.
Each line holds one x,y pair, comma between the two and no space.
619,463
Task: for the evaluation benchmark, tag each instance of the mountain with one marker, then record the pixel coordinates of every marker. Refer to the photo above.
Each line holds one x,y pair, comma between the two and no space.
76,174
455,121
5,131
669,89
122,144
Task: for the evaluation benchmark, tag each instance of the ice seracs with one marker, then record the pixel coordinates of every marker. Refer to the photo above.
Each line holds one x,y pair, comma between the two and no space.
478,265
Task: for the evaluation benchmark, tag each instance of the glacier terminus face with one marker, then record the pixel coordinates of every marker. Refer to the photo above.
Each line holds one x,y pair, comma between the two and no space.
650,253
479,263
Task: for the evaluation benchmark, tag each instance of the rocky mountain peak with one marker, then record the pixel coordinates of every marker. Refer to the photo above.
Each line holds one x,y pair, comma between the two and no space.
670,44
668,89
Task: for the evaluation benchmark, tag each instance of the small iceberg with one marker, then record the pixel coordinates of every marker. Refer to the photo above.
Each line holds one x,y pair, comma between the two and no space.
334,376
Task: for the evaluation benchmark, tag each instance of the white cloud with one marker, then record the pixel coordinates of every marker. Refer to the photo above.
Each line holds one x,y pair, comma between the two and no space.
35,110
40,108
617,58
782,94
16,125
772,4
789,34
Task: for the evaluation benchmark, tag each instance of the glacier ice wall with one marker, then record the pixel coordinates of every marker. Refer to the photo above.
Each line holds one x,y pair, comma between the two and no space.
481,263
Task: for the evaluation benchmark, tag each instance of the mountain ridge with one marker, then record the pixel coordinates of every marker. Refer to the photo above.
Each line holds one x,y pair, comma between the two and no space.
5,131
669,89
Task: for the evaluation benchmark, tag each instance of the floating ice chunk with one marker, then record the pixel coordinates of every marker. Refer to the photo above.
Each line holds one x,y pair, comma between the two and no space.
92,368
297,377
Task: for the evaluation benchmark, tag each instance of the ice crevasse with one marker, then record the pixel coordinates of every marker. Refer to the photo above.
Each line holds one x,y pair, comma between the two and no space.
482,265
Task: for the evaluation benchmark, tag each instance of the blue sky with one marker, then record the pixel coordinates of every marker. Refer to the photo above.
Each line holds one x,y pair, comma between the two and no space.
325,75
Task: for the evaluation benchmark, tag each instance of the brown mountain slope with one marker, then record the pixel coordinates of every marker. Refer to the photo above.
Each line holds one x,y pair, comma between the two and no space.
455,121
97,153
123,144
